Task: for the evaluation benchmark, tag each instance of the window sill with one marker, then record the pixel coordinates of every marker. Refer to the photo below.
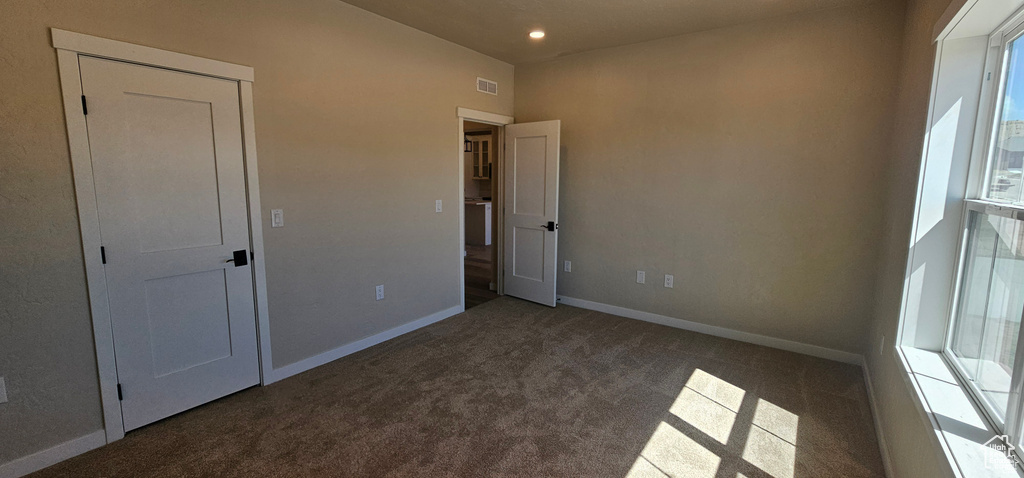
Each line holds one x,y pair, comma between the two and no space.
960,429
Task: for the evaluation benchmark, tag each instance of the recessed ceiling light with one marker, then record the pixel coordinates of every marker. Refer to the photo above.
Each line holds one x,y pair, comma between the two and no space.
537,34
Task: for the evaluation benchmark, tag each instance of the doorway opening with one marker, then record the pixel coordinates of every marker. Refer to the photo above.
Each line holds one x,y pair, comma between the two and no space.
516,165
481,153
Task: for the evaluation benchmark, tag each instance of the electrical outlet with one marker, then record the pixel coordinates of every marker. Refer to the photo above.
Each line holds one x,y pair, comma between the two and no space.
640,277
437,206
276,218
669,280
567,267
380,292
3,391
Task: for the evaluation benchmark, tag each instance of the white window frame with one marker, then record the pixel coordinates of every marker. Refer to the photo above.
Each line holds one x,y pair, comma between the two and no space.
979,180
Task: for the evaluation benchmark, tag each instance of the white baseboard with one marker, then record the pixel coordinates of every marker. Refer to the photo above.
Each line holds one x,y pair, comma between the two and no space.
783,344
353,347
879,435
50,456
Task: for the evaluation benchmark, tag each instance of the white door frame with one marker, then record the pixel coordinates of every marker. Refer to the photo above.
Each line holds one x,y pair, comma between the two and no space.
466,114
70,46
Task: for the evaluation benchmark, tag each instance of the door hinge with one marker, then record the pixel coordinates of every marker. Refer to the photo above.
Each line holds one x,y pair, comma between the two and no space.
103,254
120,395
85,107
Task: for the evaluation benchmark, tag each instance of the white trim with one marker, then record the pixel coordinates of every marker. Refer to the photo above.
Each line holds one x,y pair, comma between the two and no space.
782,344
461,199
954,12
89,225
116,50
69,46
362,344
484,117
259,263
53,455
920,399
883,446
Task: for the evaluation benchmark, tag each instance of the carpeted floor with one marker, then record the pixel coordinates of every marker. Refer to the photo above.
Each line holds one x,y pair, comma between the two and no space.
510,388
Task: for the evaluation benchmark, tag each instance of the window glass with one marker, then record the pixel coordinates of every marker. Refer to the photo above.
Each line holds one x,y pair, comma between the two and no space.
991,302
1008,150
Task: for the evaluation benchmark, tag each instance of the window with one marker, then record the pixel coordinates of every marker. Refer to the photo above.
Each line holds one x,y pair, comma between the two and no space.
1004,177
987,325
988,303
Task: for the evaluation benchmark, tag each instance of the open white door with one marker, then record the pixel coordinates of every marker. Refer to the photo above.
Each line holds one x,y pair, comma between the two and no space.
531,210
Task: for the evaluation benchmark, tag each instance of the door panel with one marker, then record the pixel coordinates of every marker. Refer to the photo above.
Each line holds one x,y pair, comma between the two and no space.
531,192
188,320
181,157
528,253
169,170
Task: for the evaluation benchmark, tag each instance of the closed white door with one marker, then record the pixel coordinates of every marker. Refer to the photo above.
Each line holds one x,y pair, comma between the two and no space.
531,210
168,164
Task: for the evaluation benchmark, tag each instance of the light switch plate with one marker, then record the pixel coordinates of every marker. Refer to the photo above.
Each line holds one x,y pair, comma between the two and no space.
640,277
3,391
669,280
437,206
568,266
276,218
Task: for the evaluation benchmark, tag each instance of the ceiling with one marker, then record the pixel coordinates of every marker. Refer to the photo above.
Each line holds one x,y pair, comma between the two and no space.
499,28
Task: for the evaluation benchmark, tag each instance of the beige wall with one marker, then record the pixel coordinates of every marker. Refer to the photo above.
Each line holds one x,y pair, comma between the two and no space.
749,162
906,433
359,203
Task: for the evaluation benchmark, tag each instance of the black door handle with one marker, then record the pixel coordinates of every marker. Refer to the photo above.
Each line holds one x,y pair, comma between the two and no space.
240,258
552,226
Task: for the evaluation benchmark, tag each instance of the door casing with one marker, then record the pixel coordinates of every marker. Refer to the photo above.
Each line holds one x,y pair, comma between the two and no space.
70,46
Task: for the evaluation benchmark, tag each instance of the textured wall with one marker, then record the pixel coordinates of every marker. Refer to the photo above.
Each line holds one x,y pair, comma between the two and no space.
748,162
334,84
905,431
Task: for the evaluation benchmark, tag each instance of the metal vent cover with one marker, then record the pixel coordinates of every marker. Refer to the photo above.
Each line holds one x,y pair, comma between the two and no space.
486,86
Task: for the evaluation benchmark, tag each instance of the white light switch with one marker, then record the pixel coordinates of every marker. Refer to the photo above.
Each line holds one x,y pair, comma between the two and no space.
3,391
568,266
437,206
639,277
276,218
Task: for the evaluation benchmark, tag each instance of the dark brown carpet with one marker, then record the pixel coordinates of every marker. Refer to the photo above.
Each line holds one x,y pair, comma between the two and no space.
511,388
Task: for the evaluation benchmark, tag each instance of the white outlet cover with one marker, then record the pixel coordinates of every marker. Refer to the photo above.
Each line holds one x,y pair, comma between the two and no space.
568,266
380,292
276,218
3,391
669,280
639,277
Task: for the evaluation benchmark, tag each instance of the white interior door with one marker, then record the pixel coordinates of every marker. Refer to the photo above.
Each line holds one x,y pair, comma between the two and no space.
167,160
531,210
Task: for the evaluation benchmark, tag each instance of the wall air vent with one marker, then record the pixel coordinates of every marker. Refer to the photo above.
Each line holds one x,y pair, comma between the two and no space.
486,86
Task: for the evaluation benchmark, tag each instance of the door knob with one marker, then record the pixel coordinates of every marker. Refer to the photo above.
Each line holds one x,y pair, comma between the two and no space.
240,258
551,226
